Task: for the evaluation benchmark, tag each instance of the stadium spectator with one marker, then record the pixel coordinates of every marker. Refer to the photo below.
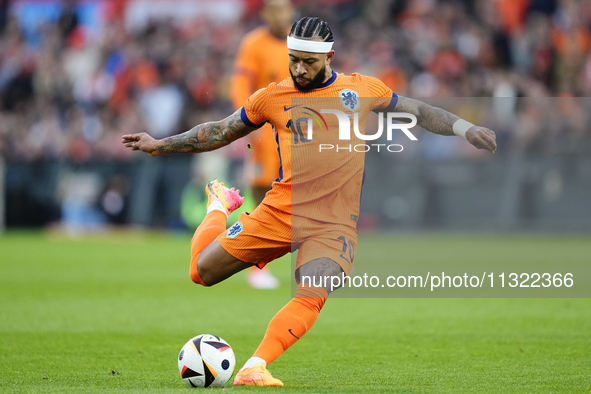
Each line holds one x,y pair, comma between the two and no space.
428,48
76,77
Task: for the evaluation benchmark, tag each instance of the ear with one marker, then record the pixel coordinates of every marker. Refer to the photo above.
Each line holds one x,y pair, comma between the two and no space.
329,57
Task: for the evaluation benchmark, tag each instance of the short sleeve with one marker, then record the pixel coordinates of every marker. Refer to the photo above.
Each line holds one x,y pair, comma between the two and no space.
254,112
384,96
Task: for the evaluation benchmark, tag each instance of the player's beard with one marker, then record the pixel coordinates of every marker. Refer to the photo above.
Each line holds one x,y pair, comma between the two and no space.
314,82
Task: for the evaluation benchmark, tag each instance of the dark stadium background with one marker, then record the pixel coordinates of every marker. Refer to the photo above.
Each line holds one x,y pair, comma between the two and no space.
75,76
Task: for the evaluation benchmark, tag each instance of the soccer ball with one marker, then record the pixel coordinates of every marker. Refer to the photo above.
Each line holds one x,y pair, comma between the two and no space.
206,361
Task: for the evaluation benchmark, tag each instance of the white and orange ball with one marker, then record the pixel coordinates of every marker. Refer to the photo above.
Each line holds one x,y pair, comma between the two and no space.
206,361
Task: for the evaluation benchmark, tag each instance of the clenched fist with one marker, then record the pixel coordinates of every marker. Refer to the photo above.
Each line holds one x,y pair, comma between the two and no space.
482,138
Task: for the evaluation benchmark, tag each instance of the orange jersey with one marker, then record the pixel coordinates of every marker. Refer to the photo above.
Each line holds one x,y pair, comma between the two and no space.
323,185
262,59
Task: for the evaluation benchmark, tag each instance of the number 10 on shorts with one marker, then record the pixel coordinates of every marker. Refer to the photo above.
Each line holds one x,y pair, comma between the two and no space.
347,247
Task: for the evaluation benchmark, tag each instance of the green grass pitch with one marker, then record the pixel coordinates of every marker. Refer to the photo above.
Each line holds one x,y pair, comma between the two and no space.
110,314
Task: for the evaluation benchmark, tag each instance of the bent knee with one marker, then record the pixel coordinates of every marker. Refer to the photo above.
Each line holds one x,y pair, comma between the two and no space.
195,275
207,277
196,278
214,265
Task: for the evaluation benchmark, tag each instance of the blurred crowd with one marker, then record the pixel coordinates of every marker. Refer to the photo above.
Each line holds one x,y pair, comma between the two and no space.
76,80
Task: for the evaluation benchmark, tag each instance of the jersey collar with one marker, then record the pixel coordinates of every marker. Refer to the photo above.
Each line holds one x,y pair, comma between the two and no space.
329,82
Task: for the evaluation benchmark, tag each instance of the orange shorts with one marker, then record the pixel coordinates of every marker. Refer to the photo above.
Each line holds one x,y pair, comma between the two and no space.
262,164
267,234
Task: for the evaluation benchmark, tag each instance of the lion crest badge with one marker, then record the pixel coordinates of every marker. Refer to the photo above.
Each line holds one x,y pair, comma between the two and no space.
350,99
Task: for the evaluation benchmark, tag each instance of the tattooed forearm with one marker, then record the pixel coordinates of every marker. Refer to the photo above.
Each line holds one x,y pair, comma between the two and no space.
207,136
433,119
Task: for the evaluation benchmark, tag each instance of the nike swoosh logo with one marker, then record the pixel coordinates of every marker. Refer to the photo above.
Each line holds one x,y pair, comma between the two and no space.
287,109
293,334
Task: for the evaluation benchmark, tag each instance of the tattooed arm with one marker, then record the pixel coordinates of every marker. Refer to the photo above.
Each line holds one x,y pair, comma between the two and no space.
439,121
201,138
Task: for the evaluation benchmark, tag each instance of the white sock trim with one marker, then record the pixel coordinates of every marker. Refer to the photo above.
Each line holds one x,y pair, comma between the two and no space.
216,206
254,361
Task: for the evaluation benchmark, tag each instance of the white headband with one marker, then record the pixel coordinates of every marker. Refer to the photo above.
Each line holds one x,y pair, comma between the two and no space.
308,46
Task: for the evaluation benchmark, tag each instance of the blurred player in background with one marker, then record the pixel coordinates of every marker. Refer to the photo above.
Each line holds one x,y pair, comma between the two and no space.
262,59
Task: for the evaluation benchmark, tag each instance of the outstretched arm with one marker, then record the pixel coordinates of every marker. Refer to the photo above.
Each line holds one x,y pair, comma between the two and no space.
201,138
439,121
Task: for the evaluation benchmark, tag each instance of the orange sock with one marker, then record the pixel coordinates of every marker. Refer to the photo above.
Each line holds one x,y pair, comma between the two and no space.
291,322
213,225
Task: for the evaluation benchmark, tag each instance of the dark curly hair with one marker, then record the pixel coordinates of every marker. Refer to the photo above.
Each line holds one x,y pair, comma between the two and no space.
311,28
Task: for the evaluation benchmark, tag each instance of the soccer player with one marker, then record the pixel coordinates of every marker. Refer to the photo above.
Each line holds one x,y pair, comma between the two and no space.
321,221
262,59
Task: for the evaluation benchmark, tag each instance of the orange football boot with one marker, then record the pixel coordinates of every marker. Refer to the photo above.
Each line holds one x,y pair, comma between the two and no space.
256,376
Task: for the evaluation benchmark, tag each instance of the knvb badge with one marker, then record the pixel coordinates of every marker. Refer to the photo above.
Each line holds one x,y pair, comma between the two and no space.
350,99
235,230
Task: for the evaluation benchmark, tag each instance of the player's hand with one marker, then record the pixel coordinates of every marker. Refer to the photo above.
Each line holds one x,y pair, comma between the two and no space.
482,138
143,142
